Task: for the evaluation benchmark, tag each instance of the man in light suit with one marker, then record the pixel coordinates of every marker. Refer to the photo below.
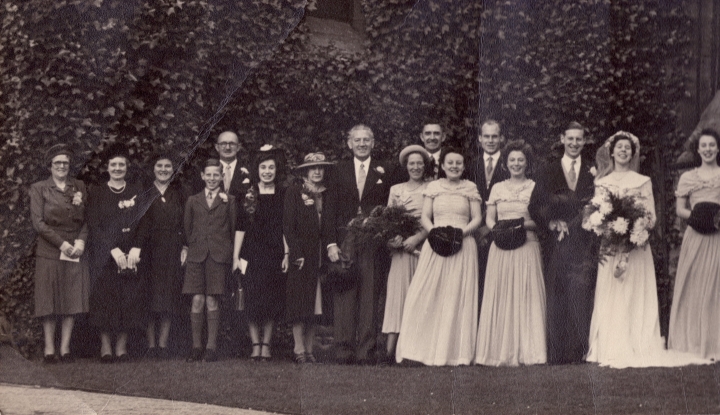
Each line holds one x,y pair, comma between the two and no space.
356,187
562,189
486,170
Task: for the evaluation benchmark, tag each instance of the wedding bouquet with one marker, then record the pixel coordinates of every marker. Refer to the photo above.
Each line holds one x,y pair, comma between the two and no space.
620,222
383,224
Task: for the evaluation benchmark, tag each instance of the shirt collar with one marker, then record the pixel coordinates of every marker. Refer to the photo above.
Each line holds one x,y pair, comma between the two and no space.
231,164
495,157
365,163
567,161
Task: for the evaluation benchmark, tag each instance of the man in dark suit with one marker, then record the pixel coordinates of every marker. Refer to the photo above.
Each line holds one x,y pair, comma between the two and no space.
236,178
356,187
562,189
486,170
432,137
235,182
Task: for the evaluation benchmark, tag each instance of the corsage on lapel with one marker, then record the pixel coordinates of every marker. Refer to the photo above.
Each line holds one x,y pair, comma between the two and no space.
124,204
223,197
380,170
593,171
77,199
307,200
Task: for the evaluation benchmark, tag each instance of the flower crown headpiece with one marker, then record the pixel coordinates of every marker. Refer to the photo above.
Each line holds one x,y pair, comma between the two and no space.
624,134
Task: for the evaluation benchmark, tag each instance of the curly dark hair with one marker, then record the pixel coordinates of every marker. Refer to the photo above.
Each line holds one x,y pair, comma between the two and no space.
523,147
696,145
618,137
444,152
275,154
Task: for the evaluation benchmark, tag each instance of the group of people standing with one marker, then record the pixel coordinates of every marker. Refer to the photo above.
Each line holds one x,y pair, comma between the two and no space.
500,272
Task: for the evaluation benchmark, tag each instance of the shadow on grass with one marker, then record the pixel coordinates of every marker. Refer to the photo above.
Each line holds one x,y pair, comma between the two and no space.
280,386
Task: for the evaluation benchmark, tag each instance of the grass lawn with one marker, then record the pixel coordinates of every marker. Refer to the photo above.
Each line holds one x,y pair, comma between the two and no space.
280,386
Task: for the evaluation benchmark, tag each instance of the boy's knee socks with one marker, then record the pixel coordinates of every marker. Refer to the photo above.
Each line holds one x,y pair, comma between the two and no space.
213,319
196,324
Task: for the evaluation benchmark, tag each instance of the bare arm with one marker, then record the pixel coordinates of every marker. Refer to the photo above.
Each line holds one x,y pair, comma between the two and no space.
491,216
681,208
475,218
427,214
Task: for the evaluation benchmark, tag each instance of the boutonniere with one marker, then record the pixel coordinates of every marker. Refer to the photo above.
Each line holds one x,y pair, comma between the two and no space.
244,170
250,201
380,170
77,199
123,204
593,171
223,197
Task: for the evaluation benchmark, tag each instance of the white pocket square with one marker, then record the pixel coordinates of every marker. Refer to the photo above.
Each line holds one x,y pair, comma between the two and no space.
379,181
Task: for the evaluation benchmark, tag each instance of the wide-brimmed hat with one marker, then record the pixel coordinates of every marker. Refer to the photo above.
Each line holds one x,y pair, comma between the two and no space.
314,159
56,150
405,153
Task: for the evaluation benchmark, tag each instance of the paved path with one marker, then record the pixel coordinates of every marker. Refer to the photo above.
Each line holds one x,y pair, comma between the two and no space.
28,400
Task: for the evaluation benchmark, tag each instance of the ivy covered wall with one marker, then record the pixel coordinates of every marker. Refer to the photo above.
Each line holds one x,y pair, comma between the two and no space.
153,73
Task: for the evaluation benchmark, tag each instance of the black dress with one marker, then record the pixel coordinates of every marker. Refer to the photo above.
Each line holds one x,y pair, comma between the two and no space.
117,301
301,224
160,235
264,281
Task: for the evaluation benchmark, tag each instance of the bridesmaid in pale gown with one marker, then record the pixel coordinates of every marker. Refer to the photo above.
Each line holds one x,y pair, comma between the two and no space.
625,326
404,255
439,321
512,318
695,313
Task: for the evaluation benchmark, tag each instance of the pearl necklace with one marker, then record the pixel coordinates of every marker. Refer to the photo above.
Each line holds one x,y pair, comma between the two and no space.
117,191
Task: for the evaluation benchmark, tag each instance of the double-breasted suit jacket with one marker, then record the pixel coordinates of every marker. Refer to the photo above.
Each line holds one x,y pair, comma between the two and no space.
210,230
570,272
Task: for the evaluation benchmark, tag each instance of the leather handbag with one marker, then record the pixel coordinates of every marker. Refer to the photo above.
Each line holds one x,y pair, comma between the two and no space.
509,234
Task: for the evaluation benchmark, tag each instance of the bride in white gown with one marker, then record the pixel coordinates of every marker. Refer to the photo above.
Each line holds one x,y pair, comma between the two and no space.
625,327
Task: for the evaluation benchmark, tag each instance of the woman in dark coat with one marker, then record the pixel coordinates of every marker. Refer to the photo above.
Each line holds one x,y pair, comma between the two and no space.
62,279
301,226
259,241
117,298
161,238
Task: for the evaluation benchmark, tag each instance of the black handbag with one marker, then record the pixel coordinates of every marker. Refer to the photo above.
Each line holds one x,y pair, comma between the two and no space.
704,217
445,240
509,234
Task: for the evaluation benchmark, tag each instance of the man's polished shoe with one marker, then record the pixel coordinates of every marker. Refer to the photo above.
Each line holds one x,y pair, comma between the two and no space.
195,355
210,356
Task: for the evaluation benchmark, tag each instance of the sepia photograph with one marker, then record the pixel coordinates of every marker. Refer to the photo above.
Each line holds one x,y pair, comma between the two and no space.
359,207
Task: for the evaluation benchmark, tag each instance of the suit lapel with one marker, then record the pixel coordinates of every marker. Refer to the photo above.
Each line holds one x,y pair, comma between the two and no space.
585,179
371,178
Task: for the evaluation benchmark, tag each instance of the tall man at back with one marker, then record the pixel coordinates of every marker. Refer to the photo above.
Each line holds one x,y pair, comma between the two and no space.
432,137
486,170
356,187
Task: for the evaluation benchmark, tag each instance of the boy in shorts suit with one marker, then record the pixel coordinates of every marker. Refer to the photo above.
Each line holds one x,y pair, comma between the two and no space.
209,229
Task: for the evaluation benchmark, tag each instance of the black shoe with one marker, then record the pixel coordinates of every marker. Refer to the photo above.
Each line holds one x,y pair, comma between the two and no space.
50,359
67,358
107,358
163,353
123,358
210,356
195,355
151,353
